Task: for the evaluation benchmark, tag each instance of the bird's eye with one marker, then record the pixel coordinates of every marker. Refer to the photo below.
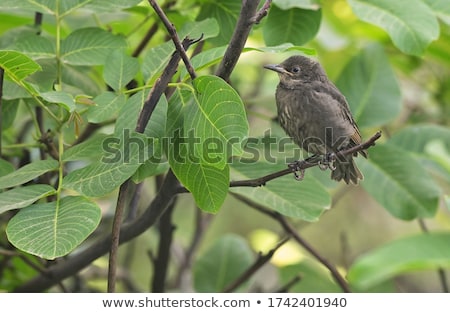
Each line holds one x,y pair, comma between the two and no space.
295,69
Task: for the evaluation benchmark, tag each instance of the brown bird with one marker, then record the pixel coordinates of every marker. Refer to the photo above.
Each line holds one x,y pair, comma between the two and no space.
316,115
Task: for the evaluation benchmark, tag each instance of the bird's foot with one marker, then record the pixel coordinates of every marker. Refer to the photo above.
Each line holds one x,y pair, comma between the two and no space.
327,162
299,172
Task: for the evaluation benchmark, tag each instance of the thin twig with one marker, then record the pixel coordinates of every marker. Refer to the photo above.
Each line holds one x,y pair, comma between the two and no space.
441,272
173,35
304,164
290,284
259,262
262,12
288,228
202,221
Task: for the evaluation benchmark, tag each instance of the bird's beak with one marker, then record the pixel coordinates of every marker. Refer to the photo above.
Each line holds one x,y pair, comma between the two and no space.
277,68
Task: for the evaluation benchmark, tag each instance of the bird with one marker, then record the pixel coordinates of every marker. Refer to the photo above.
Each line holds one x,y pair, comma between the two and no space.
316,115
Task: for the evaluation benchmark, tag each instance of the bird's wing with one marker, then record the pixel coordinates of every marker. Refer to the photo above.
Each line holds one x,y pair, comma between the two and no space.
329,88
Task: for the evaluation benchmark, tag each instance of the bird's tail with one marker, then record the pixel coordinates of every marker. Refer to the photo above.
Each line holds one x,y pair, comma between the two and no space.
346,170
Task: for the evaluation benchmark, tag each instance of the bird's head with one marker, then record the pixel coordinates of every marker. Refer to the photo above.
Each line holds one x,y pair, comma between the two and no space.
297,69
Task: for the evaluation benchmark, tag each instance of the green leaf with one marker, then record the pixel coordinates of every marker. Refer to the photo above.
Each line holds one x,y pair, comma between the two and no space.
306,200
155,60
121,158
36,46
27,173
296,26
120,69
410,23
430,143
5,167
416,138
60,97
217,121
441,8
90,46
9,112
284,47
371,88
111,6
221,264
51,230
302,4
89,149
226,13
419,252
46,6
399,183
208,184
106,108
21,197
16,65
314,278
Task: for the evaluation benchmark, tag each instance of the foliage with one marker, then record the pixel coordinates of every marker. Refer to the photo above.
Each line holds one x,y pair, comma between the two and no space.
77,79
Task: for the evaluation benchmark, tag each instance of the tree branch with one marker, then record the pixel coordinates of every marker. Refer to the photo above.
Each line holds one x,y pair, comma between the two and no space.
259,262
295,235
72,265
241,31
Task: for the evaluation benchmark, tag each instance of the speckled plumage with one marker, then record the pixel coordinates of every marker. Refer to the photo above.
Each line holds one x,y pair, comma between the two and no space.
315,114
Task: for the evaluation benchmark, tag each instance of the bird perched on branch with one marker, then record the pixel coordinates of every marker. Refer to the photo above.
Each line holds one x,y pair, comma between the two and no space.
316,115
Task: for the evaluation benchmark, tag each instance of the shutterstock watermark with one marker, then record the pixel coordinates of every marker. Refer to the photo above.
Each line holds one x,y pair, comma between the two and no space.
188,148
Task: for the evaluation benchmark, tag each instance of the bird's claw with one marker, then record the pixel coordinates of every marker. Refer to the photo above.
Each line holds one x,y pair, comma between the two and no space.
299,173
327,162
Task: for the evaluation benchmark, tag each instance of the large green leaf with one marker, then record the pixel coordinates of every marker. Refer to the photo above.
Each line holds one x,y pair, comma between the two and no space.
51,230
411,24
106,108
21,197
120,69
314,278
306,200
110,6
303,4
221,264
416,138
208,184
36,46
27,173
45,6
441,8
226,13
89,149
419,252
371,88
121,158
5,167
430,143
16,65
297,26
399,183
90,46
62,98
216,120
